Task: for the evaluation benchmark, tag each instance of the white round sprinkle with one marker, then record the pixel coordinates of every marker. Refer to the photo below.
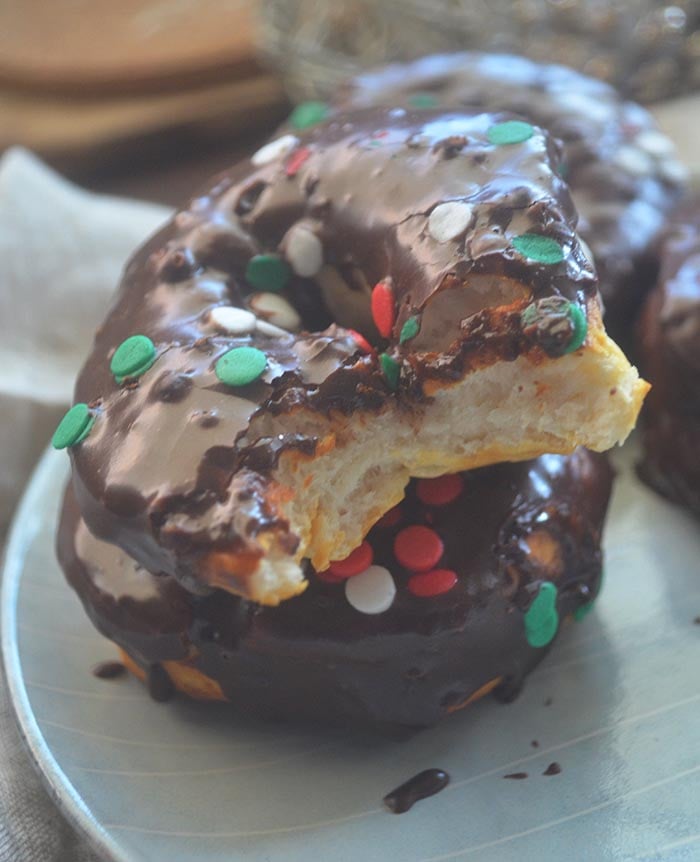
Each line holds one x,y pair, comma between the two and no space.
274,150
303,250
268,329
673,171
372,591
276,310
235,321
633,160
655,143
447,221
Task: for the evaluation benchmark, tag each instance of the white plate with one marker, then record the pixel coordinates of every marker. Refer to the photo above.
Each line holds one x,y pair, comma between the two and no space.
181,781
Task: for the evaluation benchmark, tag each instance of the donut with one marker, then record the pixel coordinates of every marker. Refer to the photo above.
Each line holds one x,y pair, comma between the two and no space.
459,591
669,347
449,320
623,172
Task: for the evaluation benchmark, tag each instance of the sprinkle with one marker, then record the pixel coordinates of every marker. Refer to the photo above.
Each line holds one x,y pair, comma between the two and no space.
359,560
234,321
440,491
372,591
308,114
390,519
633,160
267,272
449,220
543,249
583,611
240,366
73,428
328,578
580,324
433,583
410,329
655,143
361,341
296,160
422,100
542,619
510,132
556,324
391,369
133,357
274,150
303,250
383,308
275,309
418,548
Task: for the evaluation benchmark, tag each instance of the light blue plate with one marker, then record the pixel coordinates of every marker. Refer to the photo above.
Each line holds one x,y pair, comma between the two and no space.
617,704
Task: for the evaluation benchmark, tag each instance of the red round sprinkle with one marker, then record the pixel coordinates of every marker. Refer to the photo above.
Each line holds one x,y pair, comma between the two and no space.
328,578
433,583
418,548
390,519
440,491
296,160
383,310
359,560
362,342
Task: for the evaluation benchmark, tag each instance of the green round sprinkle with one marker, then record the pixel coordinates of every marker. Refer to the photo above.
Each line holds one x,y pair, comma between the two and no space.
267,272
73,428
240,366
583,611
391,369
133,357
308,114
423,100
543,249
577,316
510,132
409,330
542,619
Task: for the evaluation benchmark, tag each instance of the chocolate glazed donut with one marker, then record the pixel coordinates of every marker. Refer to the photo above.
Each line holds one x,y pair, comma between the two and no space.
669,348
214,443
515,549
623,172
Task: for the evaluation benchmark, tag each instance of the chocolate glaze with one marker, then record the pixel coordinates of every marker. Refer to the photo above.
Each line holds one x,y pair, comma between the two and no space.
108,670
315,656
421,786
669,348
553,769
171,469
517,776
623,174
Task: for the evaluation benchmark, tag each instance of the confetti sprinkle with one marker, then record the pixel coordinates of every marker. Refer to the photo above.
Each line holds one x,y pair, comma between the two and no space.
359,560
433,583
558,325
423,100
267,272
308,114
304,251
361,341
296,160
409,330
133,357
274,309
510,132
543,249
542,619
418,548
440,491
655,143
383,308
391,519
391,369
372,591
233,321
240,366
74,427
633,160
274,150
449,220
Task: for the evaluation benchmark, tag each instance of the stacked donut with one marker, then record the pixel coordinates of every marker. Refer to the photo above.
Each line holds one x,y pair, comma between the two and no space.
327,450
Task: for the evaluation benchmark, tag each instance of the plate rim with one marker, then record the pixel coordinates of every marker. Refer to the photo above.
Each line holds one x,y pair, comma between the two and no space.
60,788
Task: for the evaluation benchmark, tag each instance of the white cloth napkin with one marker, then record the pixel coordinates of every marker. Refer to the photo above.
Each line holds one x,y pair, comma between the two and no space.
61,253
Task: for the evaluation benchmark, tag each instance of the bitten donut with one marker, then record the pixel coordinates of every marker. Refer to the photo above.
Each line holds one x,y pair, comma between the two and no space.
214,442
669,347
623,172
459,591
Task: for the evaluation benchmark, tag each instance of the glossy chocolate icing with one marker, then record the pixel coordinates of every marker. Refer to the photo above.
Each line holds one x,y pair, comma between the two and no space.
513,527
669,348
623,173
169,471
